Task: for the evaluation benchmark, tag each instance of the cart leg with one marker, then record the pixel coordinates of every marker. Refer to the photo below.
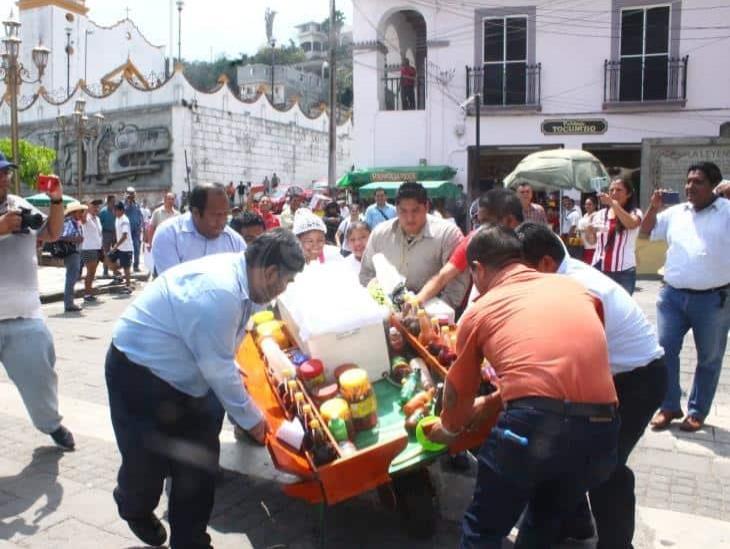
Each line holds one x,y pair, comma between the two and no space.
417,502
322,525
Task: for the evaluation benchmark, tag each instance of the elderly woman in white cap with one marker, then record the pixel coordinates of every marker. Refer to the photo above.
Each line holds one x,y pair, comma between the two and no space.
72,236
311,232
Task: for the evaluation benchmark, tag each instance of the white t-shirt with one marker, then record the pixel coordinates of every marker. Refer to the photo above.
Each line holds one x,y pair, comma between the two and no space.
570,220
632,341
19,269
584,223
617,254
122,226
354,264
92,233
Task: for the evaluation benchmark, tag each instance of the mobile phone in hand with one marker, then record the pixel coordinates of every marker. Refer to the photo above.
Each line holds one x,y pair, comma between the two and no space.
48,183
670,198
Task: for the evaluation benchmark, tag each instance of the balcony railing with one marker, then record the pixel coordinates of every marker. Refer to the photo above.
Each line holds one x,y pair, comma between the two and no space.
402,98
506,85
645,79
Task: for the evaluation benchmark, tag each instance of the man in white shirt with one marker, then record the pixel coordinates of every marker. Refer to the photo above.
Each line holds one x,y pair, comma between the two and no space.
91,247
639,375
570,218
696,290
26,346
160,215
121,254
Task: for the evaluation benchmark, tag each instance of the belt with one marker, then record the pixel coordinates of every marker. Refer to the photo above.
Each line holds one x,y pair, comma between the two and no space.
708,291
564,408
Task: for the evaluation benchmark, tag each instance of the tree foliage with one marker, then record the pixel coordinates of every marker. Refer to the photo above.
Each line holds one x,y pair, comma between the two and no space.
34,160
339,22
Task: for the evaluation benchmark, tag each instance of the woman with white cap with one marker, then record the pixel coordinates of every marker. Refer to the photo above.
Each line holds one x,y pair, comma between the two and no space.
311,232
73,236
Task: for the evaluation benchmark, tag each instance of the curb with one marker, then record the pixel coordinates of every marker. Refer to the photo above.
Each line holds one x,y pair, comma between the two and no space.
109,288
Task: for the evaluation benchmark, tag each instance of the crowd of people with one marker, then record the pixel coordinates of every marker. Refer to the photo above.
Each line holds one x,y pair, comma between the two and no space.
577,394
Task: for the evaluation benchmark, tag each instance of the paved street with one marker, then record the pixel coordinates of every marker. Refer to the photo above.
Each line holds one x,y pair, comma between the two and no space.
51,499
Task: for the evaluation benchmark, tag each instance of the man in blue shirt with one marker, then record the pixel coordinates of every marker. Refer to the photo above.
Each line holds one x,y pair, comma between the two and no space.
108,227
200,232
171,347
380,211
136,222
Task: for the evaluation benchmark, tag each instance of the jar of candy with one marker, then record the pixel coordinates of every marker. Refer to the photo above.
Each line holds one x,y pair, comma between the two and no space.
357,390
273,329
311,373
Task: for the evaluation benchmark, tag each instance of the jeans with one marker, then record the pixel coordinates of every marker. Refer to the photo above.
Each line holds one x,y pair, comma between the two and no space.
708,315
640,393
564,457
626,279
73,271
27,352
162,432
136,243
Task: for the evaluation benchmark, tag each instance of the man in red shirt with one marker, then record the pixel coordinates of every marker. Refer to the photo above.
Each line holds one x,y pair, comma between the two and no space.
408,85
264,210
557,435
497,207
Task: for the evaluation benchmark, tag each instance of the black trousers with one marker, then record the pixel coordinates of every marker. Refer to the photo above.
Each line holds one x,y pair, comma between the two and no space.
162,432
640,392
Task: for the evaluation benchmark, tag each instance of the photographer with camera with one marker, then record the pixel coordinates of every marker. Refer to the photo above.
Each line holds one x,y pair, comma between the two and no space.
26,345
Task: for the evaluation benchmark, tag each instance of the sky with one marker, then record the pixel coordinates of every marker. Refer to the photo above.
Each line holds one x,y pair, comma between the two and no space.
209,26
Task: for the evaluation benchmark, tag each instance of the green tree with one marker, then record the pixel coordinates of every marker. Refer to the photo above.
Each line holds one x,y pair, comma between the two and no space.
204,75
291,54
339,22
34,160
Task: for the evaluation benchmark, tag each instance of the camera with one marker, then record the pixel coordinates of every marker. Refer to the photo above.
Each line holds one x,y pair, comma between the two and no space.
29,220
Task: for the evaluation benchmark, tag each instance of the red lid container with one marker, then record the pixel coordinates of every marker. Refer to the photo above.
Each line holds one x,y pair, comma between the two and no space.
323,394
311,369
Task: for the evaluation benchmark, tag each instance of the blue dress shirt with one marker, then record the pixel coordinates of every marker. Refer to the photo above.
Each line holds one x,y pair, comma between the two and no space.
375,215
187,326
632,341
177,240
136,219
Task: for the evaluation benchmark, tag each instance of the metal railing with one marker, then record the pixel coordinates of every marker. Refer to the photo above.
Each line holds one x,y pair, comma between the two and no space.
645,79
508,85
403,98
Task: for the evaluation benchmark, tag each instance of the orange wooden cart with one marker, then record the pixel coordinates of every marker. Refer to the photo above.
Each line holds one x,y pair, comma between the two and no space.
384,453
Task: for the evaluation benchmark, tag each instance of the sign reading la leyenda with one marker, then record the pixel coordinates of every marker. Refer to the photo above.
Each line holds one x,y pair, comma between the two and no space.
574,126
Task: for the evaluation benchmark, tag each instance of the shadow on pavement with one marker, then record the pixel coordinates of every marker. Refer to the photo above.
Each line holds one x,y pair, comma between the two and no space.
707,437
38,479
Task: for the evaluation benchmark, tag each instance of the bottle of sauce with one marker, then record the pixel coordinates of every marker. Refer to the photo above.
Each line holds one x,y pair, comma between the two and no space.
291,390
299,405
322,452
358,392
426,335
395,339
410,386
426,378
307,415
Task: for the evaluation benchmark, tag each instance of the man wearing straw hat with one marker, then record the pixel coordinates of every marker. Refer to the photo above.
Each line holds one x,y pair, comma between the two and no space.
73,236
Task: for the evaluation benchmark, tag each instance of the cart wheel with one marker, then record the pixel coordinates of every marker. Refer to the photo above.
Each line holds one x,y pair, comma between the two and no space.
417,503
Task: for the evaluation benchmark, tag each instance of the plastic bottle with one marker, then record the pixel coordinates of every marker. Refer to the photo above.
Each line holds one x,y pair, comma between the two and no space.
426,378
338,428
413,419
279,364
410,385
291,389
322,452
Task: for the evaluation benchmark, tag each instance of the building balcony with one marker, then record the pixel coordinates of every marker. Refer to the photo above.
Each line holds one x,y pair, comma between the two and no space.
404,98
639,83
505,87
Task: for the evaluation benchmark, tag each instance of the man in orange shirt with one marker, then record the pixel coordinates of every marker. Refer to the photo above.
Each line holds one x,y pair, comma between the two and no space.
558,432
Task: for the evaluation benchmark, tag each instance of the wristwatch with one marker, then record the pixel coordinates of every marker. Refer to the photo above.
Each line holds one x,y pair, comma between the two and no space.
56,200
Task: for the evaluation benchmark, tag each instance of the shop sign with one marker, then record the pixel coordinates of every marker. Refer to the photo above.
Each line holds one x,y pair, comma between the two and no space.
575,126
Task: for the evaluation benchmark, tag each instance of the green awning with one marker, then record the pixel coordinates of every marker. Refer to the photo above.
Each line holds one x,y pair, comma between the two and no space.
358,178
42,200
435,189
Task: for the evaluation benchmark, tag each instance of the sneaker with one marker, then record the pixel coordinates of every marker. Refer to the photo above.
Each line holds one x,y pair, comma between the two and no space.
126,290
64,439
150,530
90,298
117,280
72,309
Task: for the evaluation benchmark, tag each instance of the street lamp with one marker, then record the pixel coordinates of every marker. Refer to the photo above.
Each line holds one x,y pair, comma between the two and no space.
477,100
81,128
14,74
273,67
69,51
180,4
87,32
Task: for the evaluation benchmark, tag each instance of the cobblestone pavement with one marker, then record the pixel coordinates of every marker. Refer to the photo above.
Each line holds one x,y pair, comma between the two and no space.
50,499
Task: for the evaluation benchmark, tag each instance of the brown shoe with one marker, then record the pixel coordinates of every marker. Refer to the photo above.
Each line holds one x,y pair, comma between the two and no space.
663,418
691,424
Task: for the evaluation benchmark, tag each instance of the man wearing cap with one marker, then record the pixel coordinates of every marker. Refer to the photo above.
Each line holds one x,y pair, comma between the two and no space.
136,223
296,196
73,236
26,345
199,232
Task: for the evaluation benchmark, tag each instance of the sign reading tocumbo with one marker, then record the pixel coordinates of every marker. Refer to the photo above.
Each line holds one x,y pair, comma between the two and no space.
571,126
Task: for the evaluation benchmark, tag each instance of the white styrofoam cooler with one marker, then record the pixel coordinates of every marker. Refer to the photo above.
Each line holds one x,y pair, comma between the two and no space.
365,346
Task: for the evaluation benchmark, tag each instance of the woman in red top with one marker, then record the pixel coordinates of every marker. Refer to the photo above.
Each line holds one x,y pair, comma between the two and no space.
270,220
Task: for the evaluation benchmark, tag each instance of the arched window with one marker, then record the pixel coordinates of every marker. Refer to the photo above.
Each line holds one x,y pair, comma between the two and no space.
403,81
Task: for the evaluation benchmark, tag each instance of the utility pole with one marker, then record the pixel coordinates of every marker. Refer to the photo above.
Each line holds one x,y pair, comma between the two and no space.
179,30
269,20
332,171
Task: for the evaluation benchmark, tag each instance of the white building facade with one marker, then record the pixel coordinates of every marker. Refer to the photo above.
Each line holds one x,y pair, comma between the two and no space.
602,76
83,50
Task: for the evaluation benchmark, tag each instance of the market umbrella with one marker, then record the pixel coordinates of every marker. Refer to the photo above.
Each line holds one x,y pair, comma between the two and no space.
434,189
42,200
560,169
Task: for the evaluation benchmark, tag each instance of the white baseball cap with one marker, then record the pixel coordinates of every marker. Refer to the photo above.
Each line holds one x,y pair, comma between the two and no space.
130,190
305,221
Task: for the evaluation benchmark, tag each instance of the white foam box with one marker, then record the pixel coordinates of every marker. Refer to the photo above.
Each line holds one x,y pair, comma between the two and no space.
365,346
